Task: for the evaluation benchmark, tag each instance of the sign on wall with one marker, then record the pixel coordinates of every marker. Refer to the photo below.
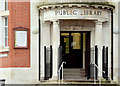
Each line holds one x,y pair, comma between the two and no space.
78,12
20,38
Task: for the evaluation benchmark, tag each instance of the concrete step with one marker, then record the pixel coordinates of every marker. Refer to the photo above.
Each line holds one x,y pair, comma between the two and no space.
77,73
74,73
81,75
73,69
74,78
76,82
69,84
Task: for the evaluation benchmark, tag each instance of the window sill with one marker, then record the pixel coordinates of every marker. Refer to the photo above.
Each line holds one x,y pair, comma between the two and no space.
4,49
4,13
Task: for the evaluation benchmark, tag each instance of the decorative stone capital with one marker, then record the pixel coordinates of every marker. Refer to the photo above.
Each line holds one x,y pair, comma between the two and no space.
55,22
98,22
44,24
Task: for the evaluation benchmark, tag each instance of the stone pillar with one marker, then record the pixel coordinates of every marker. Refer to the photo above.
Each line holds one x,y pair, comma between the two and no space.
98,42
45,41
92,38
56,43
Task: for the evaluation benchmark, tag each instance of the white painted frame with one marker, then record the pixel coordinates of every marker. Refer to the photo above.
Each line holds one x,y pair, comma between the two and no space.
6,46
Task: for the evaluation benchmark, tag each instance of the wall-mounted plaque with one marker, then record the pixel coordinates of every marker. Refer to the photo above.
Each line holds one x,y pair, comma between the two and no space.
20,37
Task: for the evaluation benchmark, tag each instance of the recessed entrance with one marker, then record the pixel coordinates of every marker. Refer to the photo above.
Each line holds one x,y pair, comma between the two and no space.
75,49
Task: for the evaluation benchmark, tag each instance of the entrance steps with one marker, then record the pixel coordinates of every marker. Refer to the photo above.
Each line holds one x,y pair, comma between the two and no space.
69,84
75,77
77,83
74,74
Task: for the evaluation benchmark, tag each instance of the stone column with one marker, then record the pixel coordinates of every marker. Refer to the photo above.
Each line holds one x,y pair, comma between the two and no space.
92,38
45,41
56,43
98,42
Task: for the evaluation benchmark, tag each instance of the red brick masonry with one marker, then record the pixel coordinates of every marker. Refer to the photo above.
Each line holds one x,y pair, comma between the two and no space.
19,17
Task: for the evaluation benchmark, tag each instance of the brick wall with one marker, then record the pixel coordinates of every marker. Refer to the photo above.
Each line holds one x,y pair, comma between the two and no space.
19,17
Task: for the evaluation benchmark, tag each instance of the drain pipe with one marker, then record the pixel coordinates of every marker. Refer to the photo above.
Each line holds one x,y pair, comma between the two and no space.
39,43
111,44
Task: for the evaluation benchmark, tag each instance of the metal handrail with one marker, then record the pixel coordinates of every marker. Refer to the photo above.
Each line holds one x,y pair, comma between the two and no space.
94,74
61,67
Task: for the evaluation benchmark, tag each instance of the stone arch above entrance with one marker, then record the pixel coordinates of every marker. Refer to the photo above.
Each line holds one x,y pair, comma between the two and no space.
75,11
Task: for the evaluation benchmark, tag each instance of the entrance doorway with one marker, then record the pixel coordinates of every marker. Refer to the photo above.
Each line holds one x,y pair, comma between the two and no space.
75,49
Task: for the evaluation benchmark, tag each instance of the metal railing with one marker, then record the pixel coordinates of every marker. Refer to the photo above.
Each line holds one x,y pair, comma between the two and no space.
61,67
95,75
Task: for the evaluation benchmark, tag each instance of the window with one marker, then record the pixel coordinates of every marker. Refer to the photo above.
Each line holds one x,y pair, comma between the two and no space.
76,44
6,31
4,25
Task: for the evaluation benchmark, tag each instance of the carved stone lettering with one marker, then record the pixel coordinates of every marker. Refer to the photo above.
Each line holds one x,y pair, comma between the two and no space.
77,12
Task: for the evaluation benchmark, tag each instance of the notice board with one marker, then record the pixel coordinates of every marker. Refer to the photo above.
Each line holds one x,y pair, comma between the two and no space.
21,38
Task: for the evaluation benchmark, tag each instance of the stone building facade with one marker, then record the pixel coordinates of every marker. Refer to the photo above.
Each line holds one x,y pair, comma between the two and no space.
83,34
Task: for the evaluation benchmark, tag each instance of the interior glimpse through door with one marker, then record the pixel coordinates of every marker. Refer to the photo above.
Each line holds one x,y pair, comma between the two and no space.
74,48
